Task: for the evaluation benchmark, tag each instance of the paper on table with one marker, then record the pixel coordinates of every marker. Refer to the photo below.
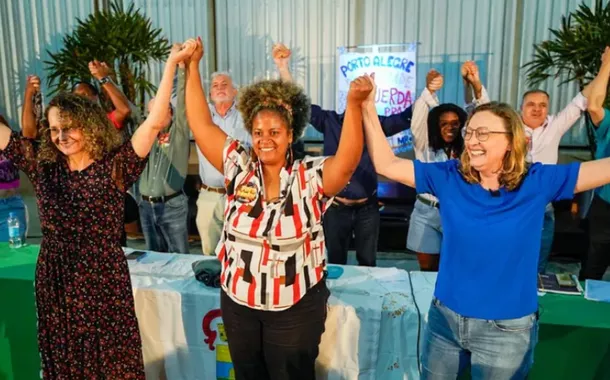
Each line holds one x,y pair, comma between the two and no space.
597,290
150,263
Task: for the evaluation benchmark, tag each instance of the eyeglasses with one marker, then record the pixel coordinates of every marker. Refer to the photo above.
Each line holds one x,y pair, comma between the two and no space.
482,133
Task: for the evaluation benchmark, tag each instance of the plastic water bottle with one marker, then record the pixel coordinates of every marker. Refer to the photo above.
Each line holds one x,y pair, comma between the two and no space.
14,232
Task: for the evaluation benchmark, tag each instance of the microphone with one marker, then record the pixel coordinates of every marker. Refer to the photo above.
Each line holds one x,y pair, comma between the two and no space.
494,193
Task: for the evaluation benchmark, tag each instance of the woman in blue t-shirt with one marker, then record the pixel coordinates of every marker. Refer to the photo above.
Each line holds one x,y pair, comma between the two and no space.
485,306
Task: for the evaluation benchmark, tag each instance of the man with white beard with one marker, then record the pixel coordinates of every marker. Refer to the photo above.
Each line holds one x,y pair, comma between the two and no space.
210,204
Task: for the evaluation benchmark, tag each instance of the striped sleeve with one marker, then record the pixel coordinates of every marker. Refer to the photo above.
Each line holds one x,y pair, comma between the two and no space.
314,168
235,158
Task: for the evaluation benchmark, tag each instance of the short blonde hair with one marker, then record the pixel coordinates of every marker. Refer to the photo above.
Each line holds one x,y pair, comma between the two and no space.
514,166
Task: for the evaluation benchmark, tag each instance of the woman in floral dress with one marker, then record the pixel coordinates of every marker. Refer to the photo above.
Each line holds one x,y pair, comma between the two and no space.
87,327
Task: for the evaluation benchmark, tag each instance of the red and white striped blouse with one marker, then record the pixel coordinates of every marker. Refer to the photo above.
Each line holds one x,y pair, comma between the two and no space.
271,252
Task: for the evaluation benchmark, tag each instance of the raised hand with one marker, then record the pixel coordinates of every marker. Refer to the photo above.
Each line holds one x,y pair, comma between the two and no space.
434,81
470,72
198,52
281,55
182,52
99,69
359,90
32,85
464,70
371,97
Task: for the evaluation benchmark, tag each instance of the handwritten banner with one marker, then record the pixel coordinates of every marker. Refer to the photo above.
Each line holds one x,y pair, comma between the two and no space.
401,142
395,75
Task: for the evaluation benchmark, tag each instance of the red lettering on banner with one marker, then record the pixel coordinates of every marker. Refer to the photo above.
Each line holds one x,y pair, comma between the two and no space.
398,102
393,92
383,96
394,96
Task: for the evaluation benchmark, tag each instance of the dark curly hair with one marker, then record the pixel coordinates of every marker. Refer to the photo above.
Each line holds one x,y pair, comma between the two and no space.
285,98
80,113
93,89
435,140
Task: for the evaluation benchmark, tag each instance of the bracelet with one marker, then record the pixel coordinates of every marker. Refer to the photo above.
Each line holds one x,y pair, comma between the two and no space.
105,80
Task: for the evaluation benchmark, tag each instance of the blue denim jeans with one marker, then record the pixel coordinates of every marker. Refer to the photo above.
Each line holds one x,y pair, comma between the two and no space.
13,204
584,203
165,225
425,229
548,233
495,349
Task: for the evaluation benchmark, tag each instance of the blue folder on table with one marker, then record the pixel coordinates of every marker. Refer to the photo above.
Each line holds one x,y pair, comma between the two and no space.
597,290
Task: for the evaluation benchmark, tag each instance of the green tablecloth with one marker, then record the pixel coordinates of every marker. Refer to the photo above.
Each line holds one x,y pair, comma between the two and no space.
574,339
19,359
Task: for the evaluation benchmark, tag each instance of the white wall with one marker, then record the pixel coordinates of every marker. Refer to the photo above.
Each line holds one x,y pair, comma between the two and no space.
27,29
238,35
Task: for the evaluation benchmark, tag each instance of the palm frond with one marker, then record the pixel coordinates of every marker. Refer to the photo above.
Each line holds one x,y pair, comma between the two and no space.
123,38
574,50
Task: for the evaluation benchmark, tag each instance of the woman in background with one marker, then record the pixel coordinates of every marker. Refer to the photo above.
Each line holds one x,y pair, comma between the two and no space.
437,137
10,198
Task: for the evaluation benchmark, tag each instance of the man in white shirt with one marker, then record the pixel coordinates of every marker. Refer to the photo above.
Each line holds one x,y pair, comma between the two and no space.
211,200
545,132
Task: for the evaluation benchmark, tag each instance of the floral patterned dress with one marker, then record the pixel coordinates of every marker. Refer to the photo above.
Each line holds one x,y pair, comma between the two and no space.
87,327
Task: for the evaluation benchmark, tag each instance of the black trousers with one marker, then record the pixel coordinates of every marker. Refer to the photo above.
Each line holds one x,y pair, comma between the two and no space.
131,214
276,345
597,258
341,221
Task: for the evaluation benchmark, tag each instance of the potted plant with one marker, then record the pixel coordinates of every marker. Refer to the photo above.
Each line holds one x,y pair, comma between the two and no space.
574,50
124,39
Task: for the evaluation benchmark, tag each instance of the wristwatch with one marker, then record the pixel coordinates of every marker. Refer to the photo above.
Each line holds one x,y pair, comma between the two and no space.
105,80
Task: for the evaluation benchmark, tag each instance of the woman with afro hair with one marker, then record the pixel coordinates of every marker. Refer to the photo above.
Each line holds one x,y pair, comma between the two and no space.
274,294
437,137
